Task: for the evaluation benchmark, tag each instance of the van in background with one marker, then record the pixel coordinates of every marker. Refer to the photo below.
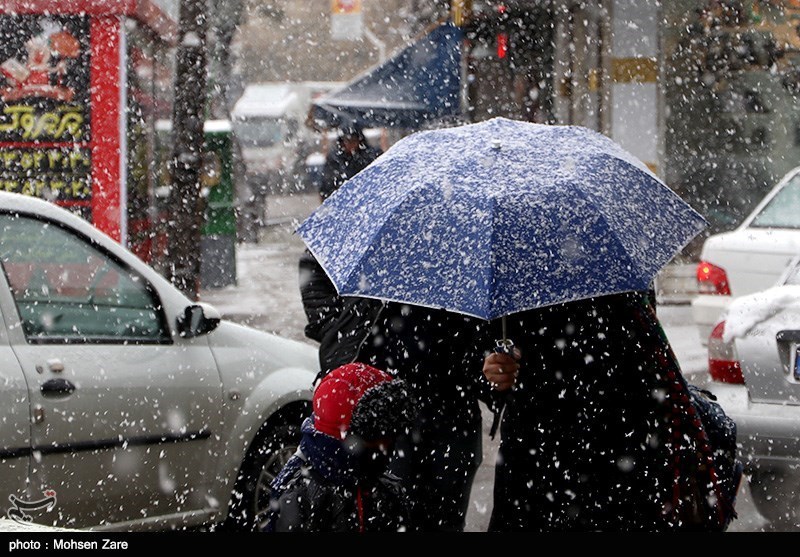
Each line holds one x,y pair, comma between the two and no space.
269,124
267,121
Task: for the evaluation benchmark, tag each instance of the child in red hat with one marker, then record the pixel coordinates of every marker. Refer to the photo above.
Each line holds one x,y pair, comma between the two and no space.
337,480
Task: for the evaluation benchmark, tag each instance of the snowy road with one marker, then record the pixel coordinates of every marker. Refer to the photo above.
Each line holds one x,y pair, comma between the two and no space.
267,297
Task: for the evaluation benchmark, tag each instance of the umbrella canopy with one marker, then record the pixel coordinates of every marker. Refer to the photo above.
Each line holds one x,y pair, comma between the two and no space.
498,217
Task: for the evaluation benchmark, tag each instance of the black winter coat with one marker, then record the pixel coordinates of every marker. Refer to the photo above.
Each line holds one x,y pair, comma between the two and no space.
584,430
340,324
340,166
434,351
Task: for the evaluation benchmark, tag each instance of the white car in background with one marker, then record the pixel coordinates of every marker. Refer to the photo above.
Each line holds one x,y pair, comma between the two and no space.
750,258
125,405
754,364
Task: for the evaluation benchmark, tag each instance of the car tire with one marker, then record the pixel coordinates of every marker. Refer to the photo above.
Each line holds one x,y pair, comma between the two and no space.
265,459
777,499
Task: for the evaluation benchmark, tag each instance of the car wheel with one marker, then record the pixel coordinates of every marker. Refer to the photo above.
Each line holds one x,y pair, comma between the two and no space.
777,499
265,459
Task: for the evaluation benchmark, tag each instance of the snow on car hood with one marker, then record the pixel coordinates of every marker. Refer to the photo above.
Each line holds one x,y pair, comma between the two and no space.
746,312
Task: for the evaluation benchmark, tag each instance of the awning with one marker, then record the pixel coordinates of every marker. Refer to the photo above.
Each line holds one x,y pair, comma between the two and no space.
420,83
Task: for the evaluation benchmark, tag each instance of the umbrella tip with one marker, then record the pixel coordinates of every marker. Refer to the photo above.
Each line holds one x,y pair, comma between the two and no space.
496,144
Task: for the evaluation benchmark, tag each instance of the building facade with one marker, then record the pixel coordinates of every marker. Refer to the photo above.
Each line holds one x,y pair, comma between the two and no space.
702,91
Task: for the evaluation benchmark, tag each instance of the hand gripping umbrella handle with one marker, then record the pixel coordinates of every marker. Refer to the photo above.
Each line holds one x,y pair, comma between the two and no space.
502,346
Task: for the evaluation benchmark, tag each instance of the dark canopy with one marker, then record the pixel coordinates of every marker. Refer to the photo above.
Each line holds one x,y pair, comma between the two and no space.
420,83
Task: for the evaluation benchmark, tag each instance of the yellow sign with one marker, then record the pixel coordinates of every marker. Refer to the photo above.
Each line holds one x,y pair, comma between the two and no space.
54,187
460,10
28,124
44,160
58,173
345,6
634,70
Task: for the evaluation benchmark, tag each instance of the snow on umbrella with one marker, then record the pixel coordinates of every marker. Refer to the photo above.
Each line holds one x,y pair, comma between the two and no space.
502,216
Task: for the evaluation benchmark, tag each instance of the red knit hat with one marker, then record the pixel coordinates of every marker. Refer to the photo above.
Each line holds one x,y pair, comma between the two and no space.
339,392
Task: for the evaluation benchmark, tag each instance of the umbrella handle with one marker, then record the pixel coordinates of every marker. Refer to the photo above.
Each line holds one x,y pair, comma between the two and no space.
504,345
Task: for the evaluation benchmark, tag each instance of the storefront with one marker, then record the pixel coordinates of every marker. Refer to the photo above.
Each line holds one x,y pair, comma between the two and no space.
82,83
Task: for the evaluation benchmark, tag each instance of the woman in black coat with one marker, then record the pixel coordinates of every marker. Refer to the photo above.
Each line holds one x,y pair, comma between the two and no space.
435,352
597,433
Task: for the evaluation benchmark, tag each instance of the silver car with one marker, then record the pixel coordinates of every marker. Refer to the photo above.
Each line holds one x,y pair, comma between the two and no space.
123,404
755,371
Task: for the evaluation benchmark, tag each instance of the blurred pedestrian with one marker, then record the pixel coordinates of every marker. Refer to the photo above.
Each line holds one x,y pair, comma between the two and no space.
337,481
347,157
597,433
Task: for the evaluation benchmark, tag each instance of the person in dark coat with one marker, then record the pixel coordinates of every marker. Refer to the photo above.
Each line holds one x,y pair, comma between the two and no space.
340,324
349,156
434,352
337,481
596,433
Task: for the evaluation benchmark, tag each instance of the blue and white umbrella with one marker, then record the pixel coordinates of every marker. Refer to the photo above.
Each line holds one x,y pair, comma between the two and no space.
493,218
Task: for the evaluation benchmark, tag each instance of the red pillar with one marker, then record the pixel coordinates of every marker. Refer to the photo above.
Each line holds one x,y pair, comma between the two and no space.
106,113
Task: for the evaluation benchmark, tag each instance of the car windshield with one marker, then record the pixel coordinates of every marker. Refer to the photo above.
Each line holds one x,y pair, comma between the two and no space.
258,132
783,210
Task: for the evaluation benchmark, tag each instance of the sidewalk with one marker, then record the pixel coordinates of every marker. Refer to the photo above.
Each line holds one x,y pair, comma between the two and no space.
266,295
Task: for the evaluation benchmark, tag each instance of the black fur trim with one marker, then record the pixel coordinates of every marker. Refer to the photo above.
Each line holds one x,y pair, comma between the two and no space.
384,410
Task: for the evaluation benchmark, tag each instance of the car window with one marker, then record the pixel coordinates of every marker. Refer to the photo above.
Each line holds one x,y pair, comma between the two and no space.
783,210
67,290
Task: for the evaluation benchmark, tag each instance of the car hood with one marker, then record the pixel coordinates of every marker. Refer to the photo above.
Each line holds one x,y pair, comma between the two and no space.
245,355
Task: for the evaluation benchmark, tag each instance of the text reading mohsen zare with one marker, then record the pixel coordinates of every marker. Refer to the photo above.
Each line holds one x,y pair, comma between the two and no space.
66,543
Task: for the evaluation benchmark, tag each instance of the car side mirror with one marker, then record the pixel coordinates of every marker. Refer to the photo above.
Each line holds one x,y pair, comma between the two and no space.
197,319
